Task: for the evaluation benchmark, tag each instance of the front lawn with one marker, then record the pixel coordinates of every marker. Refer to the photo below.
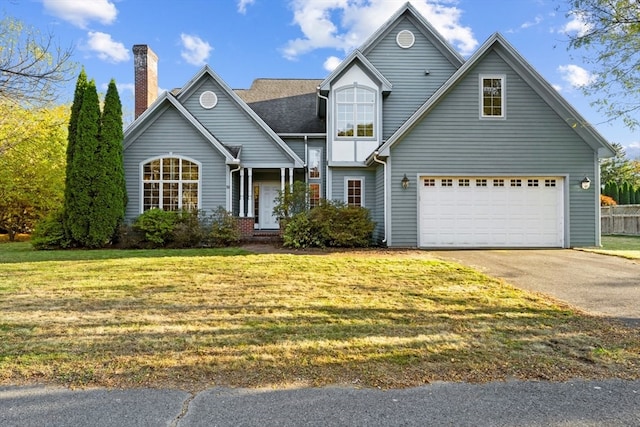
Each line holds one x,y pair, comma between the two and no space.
195,318
623,246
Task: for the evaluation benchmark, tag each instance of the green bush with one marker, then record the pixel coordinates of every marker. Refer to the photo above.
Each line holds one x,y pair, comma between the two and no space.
223,228
49,233
188,230
332,224
291,201
157,225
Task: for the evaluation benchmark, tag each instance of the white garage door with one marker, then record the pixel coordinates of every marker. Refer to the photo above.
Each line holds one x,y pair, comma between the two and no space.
472,211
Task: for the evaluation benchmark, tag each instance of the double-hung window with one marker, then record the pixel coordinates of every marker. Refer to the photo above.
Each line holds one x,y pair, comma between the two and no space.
354,191
170,183
355,112
492,96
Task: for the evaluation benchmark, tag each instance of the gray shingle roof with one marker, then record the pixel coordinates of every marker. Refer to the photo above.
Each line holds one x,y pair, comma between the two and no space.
286,105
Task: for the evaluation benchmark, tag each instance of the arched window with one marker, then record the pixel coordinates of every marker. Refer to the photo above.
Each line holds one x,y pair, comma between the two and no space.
355,112
170,183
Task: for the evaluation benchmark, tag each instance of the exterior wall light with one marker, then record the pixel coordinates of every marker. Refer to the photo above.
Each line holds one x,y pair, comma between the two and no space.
405,182
585,183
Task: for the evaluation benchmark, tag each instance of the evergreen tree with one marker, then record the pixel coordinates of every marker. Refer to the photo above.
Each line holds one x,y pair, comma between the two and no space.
638,195
84,172
81,86
114,195
615,192
632,195
624,194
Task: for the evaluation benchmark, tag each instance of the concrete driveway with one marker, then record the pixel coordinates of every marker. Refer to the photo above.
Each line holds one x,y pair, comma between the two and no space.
599,284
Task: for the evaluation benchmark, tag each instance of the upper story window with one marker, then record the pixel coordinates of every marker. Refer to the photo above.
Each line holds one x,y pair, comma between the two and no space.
492,90
170,183
355,112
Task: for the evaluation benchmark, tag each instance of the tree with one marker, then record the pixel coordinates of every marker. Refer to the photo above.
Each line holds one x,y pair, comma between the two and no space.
114,193
84,172
619,169
610,36
32,173
32,70
81,87
32,65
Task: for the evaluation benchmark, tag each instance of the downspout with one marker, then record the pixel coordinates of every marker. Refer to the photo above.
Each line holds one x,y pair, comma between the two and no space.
327,176
306,158
231,171
384,172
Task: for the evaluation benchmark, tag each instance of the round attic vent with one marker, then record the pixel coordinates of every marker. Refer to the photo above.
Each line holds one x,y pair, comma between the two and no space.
405,39
208,99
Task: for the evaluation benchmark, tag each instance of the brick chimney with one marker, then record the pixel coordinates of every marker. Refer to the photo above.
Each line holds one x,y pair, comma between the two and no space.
145,64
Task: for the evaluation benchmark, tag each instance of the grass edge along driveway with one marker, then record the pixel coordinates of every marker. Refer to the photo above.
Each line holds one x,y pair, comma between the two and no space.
191,319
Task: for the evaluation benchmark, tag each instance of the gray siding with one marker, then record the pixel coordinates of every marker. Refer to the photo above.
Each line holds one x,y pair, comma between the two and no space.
378,213
234,127
532,139
405,69
372,193
171,133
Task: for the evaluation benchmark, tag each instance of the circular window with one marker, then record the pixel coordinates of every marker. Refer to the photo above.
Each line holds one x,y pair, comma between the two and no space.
405,39
208,99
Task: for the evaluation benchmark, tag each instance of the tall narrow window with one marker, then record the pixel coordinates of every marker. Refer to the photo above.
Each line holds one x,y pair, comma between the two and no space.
355,191
355,112
170,183
314,195
315,163
492,96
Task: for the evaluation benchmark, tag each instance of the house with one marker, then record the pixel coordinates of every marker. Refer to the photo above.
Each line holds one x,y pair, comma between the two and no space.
443,151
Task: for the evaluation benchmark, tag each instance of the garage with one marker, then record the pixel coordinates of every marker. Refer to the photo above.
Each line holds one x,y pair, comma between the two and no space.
472,211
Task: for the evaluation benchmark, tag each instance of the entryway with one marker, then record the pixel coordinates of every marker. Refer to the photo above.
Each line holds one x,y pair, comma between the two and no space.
265,195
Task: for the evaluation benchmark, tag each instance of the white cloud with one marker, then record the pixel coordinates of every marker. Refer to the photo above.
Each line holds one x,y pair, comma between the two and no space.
557,87
242,5
195,50
331,63
576,25
575,75
81,12
537,20
345,24
106,48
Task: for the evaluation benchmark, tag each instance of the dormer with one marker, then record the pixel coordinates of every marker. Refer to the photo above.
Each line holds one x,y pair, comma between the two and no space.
355,91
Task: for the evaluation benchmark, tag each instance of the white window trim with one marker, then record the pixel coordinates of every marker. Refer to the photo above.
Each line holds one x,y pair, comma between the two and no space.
375,114
503,77
167,156
346,189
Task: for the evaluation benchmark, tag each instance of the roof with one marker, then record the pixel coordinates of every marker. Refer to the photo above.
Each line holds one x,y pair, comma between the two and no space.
285,105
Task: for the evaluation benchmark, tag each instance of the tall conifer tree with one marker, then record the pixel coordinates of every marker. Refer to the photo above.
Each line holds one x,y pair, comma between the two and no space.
85,172
114,197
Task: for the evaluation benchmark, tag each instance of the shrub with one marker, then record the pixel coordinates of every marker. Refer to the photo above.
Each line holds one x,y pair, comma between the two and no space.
607,201
332,224
129,237
188,231
49,233
157,225
291,201
224,228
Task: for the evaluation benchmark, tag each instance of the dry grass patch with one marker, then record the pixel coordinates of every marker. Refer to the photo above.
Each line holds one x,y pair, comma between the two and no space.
194,318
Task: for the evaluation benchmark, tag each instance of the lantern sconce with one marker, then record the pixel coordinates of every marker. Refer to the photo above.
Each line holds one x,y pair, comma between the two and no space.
405,182
585,183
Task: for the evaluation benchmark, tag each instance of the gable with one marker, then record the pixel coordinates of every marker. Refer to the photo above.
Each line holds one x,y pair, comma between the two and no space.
415,72
233,126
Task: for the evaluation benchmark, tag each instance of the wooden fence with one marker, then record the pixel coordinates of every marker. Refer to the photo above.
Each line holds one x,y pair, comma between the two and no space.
623,219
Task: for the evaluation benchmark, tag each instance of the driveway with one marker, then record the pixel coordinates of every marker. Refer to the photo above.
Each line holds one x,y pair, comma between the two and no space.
595,283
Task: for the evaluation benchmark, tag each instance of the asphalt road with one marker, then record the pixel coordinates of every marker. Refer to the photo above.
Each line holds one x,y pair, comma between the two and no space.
595,283
611,403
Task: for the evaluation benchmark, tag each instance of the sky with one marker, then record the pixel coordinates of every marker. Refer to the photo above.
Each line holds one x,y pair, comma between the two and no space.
247,39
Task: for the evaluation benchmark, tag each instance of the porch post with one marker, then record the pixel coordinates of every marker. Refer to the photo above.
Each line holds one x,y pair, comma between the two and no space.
282,179
242,192
250,190
290,179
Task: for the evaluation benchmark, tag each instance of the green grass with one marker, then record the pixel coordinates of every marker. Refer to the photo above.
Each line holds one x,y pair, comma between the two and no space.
196,318
623,246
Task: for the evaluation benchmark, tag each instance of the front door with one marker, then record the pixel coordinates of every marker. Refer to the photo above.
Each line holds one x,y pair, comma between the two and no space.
268,194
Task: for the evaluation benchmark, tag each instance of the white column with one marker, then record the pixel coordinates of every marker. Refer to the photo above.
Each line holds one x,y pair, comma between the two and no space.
282,178
242,193
290,179
250,196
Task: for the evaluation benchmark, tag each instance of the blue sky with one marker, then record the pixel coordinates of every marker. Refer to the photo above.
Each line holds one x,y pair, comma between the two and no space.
247,39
